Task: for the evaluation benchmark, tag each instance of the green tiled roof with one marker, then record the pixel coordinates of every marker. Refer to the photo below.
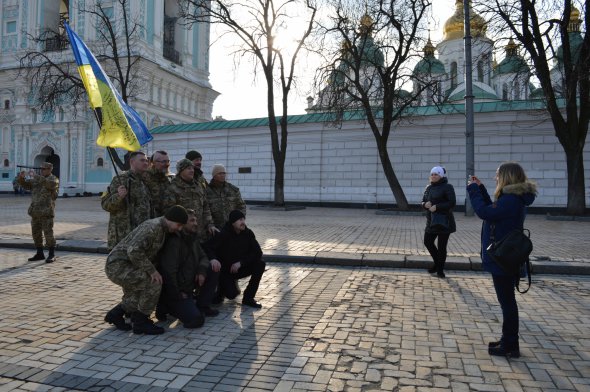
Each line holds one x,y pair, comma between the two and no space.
482,107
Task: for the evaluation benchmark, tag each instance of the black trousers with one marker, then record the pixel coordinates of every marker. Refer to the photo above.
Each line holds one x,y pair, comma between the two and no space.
227,281
438,253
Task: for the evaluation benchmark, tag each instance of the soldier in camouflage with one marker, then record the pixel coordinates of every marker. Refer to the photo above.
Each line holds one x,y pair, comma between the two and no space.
223,197
131,265
197,160
157,179
44,188
184,192
127,200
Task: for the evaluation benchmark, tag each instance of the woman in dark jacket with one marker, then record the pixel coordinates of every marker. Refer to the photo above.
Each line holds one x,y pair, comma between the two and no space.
438,199
513,194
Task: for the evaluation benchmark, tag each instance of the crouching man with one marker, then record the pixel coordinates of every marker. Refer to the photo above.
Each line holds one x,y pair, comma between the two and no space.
236,248
131,265
185,268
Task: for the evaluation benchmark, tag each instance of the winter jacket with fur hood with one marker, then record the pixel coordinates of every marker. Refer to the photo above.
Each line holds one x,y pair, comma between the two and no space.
506,214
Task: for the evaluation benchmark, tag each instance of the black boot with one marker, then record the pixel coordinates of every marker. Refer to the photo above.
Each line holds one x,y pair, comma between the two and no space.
432,269
510,350
115,316
38,256
143,324
51,257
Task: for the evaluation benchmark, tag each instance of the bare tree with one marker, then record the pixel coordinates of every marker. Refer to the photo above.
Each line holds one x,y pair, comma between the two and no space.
549,32
257,24
53,74
367,73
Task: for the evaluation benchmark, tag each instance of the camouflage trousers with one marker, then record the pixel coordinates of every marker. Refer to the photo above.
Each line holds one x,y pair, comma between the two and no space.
42,226
139,293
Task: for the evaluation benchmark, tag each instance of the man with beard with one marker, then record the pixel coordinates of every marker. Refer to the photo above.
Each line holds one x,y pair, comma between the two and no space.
197,159
185,267
157,179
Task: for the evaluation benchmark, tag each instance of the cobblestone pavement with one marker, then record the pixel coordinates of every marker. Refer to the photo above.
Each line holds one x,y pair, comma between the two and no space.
313,229
321,328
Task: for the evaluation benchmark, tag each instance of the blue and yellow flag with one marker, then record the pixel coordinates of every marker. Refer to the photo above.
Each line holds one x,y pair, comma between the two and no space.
121,125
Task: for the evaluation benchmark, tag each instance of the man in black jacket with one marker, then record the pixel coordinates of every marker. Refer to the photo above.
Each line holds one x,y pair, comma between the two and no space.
236,248
185,267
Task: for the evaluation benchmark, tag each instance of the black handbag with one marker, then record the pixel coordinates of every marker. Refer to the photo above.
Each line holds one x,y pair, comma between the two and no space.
439,222
512,252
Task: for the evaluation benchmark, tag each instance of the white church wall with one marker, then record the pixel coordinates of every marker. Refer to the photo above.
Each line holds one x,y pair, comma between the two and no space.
327,165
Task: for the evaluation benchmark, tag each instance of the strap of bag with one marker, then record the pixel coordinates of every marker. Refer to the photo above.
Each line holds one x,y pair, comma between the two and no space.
528,272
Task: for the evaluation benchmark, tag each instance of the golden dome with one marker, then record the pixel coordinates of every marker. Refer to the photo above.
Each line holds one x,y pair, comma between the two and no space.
575,21
366,24
454,27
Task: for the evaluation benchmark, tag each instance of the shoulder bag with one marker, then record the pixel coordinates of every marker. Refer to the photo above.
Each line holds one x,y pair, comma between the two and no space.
512,252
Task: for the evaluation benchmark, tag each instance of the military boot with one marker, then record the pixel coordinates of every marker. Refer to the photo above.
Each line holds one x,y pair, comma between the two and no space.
115,316
51,257
38,256
143,324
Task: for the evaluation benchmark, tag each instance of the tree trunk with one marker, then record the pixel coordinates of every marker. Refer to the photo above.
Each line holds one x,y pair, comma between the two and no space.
394,185
279,184
576,199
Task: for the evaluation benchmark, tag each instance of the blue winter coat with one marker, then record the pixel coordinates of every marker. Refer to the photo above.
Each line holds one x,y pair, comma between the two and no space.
507,213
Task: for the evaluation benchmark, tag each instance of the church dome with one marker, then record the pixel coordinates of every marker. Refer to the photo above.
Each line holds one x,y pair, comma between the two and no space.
575,37
513,62
370,54
429,64
454,26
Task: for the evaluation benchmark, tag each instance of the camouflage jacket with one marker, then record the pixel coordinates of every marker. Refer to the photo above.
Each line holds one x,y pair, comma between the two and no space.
139,249
200,179
189,195
222,200
43,192
128,212
157,183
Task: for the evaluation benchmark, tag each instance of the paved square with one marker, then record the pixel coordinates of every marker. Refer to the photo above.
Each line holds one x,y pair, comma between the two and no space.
321,328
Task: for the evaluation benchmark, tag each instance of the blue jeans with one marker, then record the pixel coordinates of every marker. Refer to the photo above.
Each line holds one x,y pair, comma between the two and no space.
505,292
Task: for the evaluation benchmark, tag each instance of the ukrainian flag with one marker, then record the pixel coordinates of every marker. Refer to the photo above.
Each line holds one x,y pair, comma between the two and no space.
120,125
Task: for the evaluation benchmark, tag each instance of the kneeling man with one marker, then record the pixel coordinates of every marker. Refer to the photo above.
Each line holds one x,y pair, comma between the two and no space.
131,265
236,248
185,267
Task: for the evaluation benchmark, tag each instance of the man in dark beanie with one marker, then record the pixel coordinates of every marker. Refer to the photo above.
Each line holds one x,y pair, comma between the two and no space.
197,160
238,255
131,265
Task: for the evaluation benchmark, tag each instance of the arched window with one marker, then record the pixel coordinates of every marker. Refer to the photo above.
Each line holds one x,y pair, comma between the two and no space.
7,104
61,114
34,113
100,162
504,92
516,94
6,163
453,75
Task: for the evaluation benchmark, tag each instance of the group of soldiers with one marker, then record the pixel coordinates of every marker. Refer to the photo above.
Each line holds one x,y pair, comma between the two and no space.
178,243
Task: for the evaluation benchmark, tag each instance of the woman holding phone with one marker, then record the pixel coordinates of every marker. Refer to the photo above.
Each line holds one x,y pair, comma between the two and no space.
513,193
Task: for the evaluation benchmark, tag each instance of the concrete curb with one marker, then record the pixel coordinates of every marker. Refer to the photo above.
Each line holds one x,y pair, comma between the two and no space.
545,266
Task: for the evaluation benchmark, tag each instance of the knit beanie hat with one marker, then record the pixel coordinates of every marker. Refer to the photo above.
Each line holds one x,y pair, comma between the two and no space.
235,215
217,168
183,164
177,214
438,170
192,155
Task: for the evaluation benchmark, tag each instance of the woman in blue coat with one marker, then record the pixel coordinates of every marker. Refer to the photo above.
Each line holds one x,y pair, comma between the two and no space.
512,195
438,199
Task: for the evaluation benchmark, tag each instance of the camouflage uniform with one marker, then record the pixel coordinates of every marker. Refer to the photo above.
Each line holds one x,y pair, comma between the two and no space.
131,263
157,183
42,209
129,212
189,195
200,179
223,199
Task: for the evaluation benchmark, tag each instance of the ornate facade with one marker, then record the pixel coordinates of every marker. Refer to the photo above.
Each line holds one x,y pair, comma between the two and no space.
173,67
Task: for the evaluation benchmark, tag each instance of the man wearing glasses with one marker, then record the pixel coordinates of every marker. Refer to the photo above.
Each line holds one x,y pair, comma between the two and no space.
157,178
44,190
